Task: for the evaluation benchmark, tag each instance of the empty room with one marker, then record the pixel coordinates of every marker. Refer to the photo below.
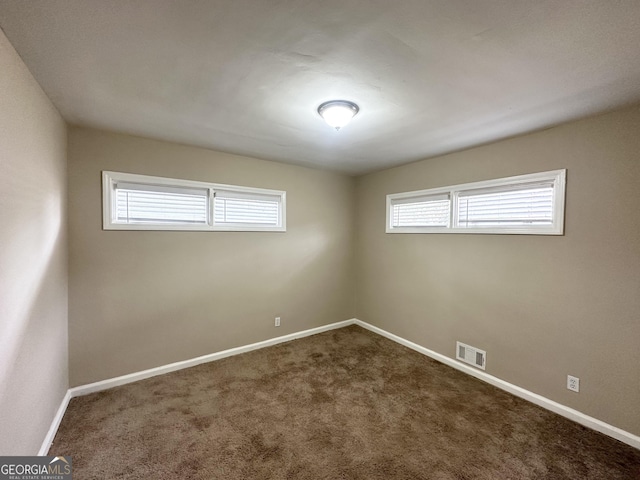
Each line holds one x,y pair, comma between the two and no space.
309,240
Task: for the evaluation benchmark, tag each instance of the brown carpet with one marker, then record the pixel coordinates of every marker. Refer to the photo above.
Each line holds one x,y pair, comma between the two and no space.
346,404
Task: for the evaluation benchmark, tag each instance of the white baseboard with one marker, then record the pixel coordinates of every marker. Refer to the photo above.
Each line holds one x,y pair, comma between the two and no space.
172,367
543,402
53,429
567,412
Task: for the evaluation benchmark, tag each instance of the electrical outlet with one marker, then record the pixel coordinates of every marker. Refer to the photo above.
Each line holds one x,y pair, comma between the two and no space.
277,321
573,383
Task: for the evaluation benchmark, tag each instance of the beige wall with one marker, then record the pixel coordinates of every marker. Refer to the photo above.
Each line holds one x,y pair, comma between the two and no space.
142,299
542,306
33,258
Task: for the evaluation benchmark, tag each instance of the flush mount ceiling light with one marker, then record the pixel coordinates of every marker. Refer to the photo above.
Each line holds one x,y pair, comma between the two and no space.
337,113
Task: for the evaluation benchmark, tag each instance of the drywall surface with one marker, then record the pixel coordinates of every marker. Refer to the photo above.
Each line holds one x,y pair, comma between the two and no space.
33,258
541,306
141,299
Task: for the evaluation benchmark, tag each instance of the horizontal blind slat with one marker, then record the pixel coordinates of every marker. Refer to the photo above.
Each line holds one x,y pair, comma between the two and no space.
147,206
421,212
245,210
522,206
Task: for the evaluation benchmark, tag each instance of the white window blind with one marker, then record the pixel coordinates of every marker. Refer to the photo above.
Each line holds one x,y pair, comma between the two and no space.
155,204
141,202
429,211
525,204
237,208
520,205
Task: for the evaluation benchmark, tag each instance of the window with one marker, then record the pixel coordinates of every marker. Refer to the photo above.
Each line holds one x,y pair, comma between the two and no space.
426,211
159,205
141,202
526,204
238,208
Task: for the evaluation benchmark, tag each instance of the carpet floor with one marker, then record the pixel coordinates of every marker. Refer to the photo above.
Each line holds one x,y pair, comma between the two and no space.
345,404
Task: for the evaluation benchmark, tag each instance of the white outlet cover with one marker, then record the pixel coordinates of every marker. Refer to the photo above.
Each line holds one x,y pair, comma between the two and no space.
573,383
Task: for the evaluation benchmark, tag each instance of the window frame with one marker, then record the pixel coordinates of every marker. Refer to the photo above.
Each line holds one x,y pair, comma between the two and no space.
556,177
110,179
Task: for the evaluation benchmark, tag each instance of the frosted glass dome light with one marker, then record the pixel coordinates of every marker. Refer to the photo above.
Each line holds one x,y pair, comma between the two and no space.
337,113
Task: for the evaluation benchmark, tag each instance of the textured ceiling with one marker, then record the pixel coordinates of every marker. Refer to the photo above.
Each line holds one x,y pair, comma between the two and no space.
246,77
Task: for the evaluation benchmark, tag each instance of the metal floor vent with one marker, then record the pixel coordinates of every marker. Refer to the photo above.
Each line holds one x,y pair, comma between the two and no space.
471,355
